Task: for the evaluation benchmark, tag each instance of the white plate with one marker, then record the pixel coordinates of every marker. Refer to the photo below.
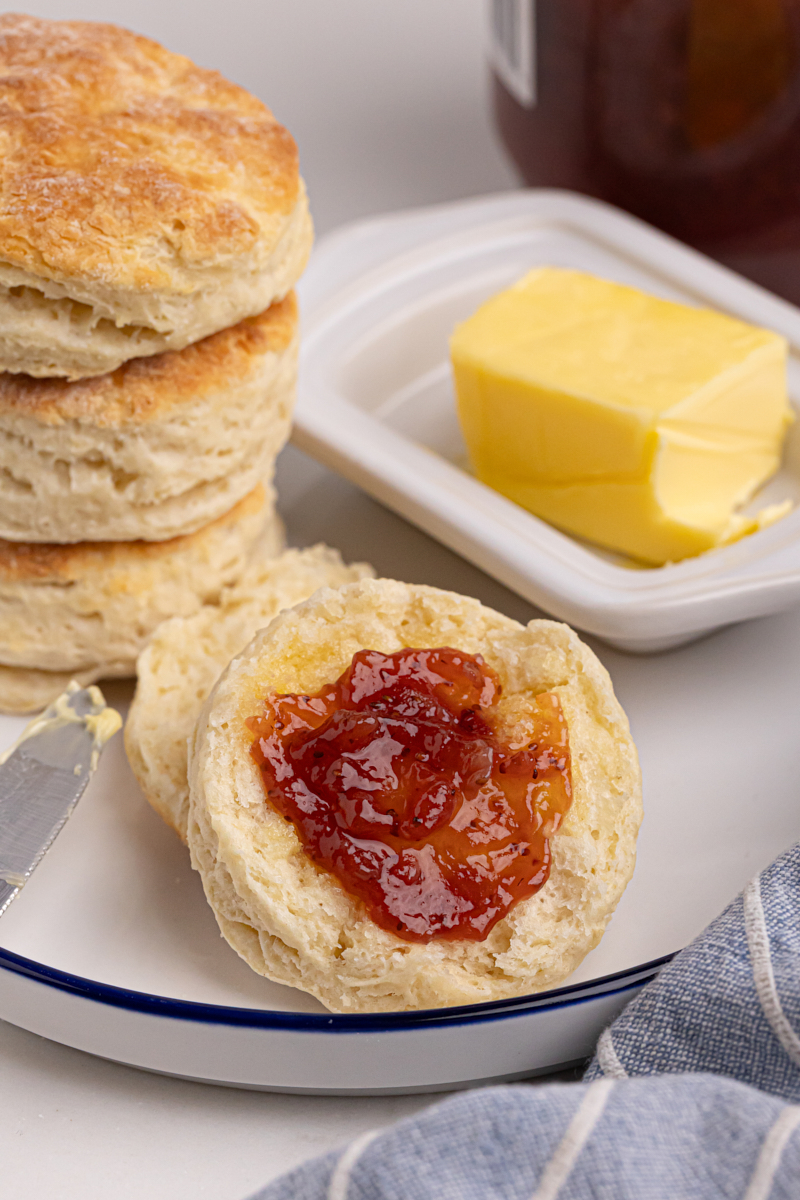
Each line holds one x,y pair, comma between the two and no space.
380,300
111,948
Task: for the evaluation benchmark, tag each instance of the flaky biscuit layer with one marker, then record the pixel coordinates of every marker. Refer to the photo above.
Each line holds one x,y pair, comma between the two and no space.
144,202
156,449
90,607
24,690
185,656
294,923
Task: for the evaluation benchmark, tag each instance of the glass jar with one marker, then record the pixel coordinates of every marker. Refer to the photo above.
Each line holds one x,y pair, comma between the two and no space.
684,112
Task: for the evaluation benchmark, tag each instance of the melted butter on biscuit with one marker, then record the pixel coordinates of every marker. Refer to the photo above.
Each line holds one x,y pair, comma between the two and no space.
637,423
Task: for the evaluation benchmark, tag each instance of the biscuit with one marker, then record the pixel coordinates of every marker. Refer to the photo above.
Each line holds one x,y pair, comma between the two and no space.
184,658
144,202
294,923
90,607
23,690
156,449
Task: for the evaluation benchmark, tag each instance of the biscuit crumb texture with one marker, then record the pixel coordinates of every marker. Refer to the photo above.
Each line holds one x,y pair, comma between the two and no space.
185,657
86,610
294,923
144,202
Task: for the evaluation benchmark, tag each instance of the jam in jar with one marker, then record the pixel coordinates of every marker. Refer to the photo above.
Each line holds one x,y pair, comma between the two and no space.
684,112
398,784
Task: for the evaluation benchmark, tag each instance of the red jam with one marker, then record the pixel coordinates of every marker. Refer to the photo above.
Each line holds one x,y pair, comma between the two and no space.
398,785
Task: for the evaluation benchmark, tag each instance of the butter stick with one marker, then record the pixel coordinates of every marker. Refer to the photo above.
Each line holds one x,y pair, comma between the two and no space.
634,422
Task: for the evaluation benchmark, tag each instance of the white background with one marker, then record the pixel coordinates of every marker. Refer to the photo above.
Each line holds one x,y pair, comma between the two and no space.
387,100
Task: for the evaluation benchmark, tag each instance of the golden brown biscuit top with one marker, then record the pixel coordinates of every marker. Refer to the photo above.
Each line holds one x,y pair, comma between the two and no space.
53,563
144,388
120,161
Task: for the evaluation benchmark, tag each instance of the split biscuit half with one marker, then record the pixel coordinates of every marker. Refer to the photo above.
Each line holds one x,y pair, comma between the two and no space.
158,448
295,923
185,656
85,611
144,202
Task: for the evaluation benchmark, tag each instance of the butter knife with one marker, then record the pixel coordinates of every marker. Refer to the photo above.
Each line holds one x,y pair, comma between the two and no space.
42,777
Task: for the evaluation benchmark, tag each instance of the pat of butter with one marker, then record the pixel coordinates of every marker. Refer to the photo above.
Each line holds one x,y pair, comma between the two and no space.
634,422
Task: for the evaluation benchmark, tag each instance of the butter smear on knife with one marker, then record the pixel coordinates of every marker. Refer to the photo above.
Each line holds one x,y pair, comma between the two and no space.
101,722
634,422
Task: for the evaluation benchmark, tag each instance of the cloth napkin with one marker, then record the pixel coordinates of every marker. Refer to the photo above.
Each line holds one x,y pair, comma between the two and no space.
688,1096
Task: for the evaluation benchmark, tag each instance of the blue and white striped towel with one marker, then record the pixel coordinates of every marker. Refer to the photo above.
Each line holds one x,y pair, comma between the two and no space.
685,1099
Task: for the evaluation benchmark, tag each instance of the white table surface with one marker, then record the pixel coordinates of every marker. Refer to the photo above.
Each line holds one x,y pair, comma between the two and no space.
387,100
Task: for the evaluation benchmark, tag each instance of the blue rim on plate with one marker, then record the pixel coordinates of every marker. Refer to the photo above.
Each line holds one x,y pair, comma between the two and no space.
218,1014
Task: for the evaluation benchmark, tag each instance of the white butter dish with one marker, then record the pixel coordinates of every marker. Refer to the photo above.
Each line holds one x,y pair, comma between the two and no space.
379,301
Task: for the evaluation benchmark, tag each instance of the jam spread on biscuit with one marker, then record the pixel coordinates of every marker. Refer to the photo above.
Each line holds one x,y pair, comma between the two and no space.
397,784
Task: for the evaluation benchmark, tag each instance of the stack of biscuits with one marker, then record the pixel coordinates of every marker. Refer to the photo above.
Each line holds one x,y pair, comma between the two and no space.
152,225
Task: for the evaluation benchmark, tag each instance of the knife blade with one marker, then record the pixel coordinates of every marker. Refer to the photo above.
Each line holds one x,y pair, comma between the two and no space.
43,776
